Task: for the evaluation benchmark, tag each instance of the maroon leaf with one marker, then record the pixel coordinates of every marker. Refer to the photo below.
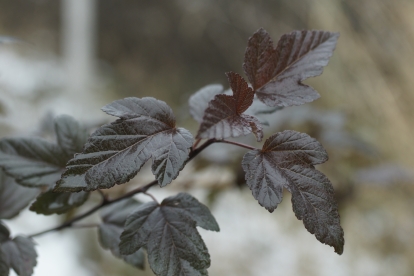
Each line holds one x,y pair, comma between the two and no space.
260,59
223,118
277,74
286,161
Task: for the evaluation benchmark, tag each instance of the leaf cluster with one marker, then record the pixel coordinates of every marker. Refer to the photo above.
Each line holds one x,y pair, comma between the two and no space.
62,174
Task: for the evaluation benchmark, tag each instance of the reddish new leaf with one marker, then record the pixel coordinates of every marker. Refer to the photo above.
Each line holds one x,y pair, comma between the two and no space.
223,118
260,59
286,161
277,74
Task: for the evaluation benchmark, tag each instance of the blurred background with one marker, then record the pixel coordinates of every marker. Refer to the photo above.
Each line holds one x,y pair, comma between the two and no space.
77,55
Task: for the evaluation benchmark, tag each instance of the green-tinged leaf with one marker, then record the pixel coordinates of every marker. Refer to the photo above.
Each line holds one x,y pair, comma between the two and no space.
169,233
33,162
71,136
116,152
286,161
13,197
4,232
277,73
58,203
224,116
20,254
110,230
4,267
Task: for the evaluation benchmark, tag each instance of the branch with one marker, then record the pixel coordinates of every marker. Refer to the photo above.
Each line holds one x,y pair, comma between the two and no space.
106,201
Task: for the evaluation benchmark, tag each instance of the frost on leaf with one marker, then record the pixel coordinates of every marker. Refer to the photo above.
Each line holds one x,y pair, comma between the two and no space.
113,221
276,74
18,253
286,161
168,232
224,116
116,152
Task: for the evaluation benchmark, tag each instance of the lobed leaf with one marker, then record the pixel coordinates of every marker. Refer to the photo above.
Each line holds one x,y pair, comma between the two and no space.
223,118
286,161
110,230
168,231
116,152
20,255
13,197
51,202
277,73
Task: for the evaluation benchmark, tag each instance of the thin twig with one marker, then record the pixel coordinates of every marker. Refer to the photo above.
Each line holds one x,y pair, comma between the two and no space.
236,144
151,196
90,225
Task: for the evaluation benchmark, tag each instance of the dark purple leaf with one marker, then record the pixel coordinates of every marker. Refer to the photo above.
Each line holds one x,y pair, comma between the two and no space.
4,232
286,161
20,254
223,118
13,197
116,152
58,203
169,233
110,230
71,136
35,162
4,267
277,74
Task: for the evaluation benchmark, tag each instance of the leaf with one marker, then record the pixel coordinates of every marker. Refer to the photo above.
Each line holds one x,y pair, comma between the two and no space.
260,59
168,231
198,102
4,267
313,202
277,74
58,203
20,255
110,230
71,136
115,153
13,197
35,162
223,118
4,232
286,161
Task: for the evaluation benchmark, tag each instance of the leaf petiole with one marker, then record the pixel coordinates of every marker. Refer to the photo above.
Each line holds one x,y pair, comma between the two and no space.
236,144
